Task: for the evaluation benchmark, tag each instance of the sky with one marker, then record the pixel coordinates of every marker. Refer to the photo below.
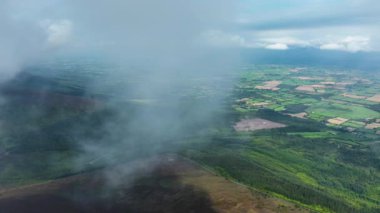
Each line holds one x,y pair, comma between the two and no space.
343,25
165,33
34,29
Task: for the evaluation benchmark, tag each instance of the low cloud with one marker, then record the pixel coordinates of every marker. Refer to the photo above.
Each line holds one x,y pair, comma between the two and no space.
350,44
340,43
277,46
346,25
279,40
24,40
157,53
58,32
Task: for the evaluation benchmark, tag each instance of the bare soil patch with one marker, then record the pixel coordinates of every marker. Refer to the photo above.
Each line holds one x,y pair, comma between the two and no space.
297,70
270,85
375,98
318,88
372,126
337,121
256,124
306,88
328,83
299,115
306,78
354,96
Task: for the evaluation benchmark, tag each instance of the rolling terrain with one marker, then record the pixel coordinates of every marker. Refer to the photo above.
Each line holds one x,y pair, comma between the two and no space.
162,184
323,155
298,139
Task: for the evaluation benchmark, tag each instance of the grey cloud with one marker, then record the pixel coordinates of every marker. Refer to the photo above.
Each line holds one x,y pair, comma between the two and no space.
156,44
317,24
23,39
313,21
298,23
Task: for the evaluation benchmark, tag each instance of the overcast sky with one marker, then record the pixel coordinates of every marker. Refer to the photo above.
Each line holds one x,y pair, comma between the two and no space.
41,27
165,34
346,25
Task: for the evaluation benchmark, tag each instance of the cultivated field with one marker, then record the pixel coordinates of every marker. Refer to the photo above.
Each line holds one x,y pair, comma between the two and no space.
256,124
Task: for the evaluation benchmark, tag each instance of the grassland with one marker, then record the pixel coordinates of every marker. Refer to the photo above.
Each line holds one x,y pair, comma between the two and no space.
349,111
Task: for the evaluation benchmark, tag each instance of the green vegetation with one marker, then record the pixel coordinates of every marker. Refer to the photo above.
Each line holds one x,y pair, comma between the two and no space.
332,110
327,168
318,169
312,135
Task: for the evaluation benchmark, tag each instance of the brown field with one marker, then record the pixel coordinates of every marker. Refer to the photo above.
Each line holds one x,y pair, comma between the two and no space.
170,184
344,83
306,88
306,78
372,126
319,86
296,70
354,96
299,115
256,124
337,121
270,85
375,98
328,83
315,88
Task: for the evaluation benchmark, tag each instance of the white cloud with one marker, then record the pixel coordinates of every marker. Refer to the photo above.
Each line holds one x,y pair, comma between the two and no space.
331,46
58,32
277,46
349,43
289,41
279,41
318,24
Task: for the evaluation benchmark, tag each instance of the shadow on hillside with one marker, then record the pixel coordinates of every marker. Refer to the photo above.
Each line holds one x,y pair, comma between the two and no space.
155,192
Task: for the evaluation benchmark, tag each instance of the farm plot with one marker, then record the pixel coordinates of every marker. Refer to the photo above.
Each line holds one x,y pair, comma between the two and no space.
333,110
246,125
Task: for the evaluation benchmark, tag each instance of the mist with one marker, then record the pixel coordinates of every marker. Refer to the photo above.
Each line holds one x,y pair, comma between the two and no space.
153,56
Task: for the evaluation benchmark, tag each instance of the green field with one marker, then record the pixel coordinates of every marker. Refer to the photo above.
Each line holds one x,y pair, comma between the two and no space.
323,167
332,110
312,135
